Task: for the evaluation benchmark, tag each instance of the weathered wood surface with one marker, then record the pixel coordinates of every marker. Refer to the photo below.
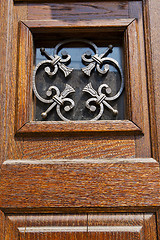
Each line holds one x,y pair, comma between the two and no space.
80,183
78,10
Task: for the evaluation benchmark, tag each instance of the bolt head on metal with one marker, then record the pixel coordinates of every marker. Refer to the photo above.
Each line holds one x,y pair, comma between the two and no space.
44,115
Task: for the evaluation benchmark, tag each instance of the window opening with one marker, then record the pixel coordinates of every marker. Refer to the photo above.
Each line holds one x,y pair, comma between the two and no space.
76,80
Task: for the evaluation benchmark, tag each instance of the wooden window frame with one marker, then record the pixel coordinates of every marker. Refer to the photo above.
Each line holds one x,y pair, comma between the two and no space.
24,106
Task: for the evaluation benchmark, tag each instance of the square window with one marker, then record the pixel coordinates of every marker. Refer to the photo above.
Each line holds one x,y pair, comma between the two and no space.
31,112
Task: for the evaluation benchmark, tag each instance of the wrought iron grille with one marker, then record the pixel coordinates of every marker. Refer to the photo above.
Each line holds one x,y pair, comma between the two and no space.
67,93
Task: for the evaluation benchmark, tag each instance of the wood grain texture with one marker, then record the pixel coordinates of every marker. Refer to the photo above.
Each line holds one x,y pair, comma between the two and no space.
81,127
134,75
2,225
74,11
80,183
152,35
24,105
122,226
128,185
158,223
11,230
143,146
23,120
3,74
85,226
150,226
51,226
78,147
52,26
9,31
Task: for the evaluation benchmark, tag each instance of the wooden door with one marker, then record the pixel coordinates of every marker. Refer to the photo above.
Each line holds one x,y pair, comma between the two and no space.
80,179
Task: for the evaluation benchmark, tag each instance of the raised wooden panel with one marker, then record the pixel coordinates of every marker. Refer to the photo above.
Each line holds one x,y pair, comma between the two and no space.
122,226
114,226
80,183
42,227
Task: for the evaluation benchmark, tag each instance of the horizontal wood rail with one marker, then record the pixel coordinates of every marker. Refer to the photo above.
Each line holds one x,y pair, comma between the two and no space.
80,183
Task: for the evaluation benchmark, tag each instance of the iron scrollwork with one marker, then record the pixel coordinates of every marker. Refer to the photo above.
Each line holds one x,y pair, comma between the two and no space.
102,97
58,100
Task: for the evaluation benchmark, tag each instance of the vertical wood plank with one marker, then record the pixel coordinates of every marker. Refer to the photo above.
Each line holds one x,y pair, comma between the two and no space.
143,147
2,225
11,231
8,61
150,228
5,56
152,36
24,105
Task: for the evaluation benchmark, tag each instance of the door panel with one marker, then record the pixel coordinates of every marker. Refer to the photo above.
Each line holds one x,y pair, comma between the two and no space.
115,226
61,180
80,183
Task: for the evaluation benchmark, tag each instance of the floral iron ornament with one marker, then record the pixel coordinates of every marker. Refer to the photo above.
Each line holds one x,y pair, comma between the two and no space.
100,98
96,61
57,62
92,60
59,100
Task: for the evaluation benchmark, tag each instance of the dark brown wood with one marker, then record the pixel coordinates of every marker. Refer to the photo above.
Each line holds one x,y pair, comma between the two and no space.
91,25
131,186
80,183
78,10
24,105
8,61
81,126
